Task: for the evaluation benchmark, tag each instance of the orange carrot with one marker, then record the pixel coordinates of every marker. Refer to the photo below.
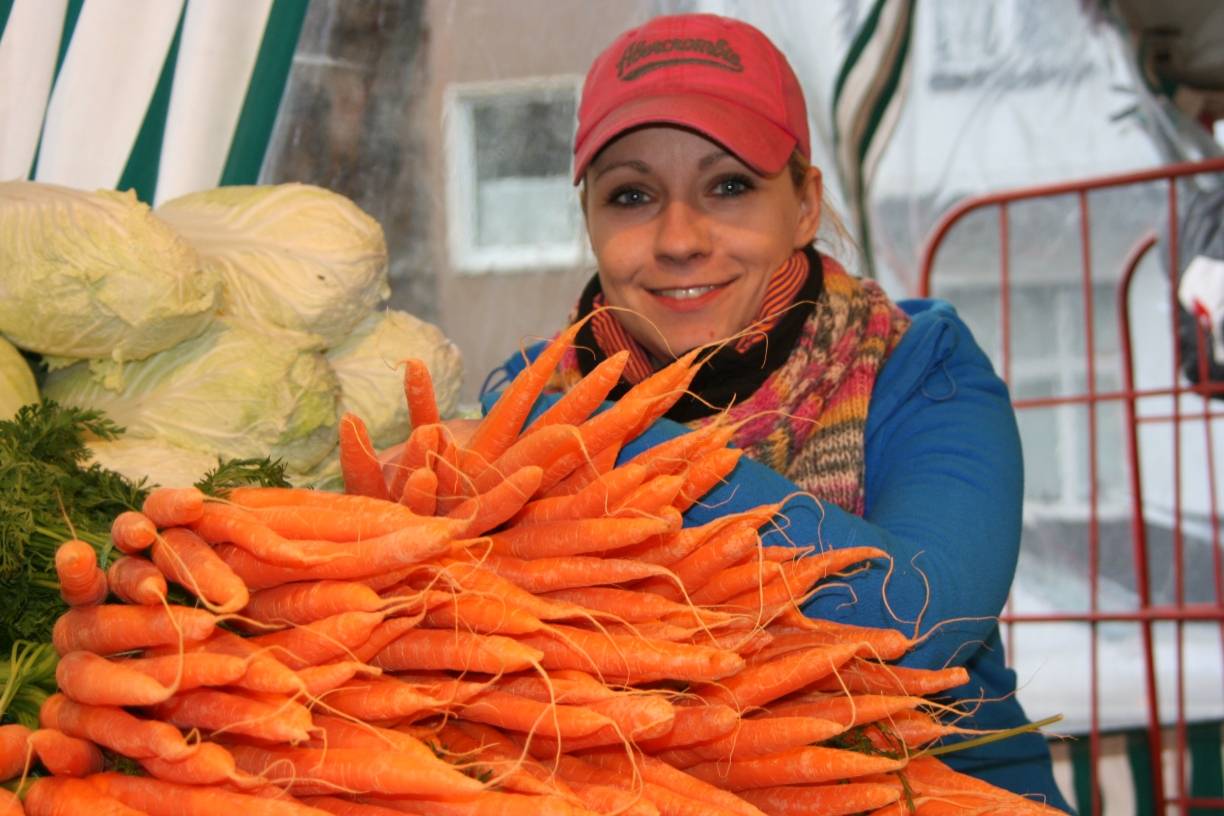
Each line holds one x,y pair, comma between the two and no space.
457,651
527,716
63,755
422,444
797,766
159,798
420,492
112,727
320,641
222,523
76,565
655,771
113,628
790,581
211,764
309,601
136,580
190,669
494,507
88,678
13,750
321,523
608,491
697,723
383,634
173,506
65,796
579,536
266,717
381,699
755,738
419,393
263,671
501,425
847,711
724,548
627,658
880,643
539,449
867,677
595,462
358,770
323,678
833,800
489,615
765,682
359,463
10,805
485,751
346,807
543,575
132,531
675,455
585,396
189,561
708,471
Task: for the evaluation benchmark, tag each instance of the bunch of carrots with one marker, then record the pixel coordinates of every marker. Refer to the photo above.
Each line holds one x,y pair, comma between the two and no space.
515,623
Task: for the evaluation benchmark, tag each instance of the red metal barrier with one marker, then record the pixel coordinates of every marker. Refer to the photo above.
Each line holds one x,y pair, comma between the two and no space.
1170,791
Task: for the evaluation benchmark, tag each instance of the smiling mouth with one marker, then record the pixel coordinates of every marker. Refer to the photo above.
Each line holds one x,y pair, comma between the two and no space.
687,292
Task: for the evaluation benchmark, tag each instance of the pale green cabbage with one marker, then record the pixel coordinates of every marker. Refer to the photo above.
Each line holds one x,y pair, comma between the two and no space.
17,386
294,256
234,391
158,462
369,368
94,274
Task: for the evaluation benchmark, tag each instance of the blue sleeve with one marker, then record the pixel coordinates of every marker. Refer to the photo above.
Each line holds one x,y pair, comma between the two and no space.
944,487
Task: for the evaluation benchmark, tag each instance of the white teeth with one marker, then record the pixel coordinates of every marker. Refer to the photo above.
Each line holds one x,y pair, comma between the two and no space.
685,294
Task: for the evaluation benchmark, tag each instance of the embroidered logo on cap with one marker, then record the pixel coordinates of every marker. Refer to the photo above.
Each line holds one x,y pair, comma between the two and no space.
676,52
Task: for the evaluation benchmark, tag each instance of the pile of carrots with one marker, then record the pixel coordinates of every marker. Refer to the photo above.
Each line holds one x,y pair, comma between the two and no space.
512,623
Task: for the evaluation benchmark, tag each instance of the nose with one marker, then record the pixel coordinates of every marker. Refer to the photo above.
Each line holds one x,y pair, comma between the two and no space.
682,234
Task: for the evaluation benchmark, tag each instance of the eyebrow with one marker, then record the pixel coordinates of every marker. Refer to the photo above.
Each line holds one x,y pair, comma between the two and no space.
642,167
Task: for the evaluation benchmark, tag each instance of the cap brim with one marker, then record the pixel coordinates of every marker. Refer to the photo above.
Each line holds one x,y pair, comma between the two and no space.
753,139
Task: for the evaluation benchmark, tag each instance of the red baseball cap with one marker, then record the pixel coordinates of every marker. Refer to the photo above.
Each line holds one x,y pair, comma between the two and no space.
720,77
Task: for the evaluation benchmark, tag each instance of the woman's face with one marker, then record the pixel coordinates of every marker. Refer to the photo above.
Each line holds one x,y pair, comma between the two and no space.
687,236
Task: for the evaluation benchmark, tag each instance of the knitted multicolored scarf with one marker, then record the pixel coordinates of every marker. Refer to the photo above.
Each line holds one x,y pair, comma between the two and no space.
806,419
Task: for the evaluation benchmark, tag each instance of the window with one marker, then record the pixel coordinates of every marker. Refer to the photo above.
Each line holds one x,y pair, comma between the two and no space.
510,201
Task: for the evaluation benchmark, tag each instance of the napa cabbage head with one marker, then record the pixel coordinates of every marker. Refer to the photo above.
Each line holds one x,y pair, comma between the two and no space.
293,256
369,367
17,384
234,391
94,274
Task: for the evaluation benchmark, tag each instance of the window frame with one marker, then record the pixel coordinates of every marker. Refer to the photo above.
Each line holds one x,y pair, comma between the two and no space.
461,184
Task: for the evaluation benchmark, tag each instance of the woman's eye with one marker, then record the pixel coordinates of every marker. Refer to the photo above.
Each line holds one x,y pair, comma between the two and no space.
733,186
628,197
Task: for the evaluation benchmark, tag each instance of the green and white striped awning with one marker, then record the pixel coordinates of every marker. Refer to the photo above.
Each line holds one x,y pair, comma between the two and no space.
867,101
161,96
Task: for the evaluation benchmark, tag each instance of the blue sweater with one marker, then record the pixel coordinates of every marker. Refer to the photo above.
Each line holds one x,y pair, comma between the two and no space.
943,495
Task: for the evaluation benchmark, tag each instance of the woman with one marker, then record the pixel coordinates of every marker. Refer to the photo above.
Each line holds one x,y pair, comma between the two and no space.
692,153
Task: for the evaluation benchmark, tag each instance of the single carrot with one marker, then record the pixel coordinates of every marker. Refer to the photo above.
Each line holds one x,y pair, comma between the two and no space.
597,498
764,682
383,634
321,523
93,680
308,601
490,803
422,444
846,710
267,717
211,764
263,671
496,506
798,766
65,796
384,698
228,524
251,498
190,669
594,463
694,723
501,425
475,613
173,506
419,393
655,771
420,492
527,716
561,686
112,727
136,580
76,566
10,804
785,582
755,738
704,474
724,548
581,400
14,750
347,807
545,575
579,536
321,679
320,641
539,449
63,755
160,798
880,643
113,628
867,677
358,770
457,651
629,658
667,550
674,455
359,463
832,800
189,561
132,531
